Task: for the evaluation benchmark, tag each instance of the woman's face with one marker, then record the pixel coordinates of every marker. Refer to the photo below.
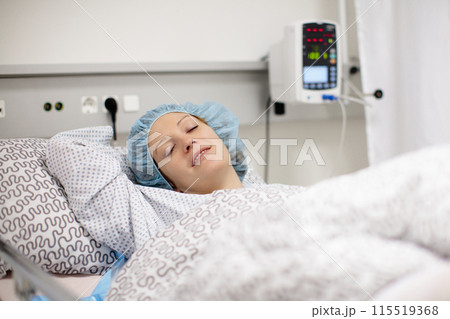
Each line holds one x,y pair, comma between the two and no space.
189,154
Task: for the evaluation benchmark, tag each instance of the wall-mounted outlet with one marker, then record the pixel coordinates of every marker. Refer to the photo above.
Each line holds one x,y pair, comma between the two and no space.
115,97
89,104
2,108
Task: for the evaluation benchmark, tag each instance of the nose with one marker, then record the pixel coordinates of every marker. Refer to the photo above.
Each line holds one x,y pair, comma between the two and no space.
188,144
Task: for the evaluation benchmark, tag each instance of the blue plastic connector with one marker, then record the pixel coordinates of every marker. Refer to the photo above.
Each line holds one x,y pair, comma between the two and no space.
327,97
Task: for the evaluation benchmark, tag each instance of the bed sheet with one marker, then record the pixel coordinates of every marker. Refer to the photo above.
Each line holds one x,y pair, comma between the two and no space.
428,284
347,238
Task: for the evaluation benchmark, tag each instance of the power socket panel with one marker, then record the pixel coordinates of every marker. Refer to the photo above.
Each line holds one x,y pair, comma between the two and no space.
89,104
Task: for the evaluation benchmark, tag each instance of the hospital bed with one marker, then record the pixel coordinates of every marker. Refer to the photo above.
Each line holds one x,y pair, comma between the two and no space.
28,280
44,245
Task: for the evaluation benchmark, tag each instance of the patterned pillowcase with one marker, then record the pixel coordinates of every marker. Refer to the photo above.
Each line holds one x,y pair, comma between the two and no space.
35,216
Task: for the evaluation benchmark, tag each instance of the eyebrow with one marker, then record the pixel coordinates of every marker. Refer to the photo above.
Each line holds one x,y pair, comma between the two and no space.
178,123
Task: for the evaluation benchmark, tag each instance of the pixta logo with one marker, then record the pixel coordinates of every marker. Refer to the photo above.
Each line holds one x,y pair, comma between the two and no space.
308,152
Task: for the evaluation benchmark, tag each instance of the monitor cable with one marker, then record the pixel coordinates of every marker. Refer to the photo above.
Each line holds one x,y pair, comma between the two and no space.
267,127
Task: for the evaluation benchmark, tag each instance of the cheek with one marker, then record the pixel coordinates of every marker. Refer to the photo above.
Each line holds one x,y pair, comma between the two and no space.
170,169
175,170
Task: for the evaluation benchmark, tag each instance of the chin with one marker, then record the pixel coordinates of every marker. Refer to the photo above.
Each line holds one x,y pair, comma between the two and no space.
212,167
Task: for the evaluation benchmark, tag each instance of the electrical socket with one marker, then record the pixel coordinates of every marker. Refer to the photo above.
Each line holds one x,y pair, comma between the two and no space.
89,104
115,97
2,108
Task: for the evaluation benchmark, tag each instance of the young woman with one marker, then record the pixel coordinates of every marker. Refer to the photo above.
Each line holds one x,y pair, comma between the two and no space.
188,148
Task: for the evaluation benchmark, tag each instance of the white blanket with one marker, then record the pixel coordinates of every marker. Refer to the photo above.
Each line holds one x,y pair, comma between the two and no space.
342,239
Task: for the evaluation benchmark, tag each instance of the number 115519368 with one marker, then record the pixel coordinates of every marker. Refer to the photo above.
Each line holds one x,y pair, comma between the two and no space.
381,310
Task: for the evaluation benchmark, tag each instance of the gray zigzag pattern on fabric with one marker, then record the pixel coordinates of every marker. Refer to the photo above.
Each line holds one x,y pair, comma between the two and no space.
35,217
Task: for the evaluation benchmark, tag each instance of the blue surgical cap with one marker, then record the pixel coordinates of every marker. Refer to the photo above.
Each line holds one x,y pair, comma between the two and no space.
218,117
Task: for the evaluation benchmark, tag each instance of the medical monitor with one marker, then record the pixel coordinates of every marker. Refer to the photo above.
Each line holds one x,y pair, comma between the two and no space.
306,63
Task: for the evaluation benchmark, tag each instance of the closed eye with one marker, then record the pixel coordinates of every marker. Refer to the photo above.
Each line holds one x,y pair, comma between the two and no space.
169,151
192,128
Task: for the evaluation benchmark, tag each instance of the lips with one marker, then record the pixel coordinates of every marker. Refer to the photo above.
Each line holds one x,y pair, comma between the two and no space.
197,155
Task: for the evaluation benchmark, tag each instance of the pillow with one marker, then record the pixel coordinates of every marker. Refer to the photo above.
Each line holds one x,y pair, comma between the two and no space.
36,218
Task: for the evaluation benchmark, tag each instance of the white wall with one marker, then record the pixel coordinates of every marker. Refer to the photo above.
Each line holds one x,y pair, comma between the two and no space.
55,31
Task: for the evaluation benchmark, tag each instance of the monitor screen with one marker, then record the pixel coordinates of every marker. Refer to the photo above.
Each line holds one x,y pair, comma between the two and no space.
315,74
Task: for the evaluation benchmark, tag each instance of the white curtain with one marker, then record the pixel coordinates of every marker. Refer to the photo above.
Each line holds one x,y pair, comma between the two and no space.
404,48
